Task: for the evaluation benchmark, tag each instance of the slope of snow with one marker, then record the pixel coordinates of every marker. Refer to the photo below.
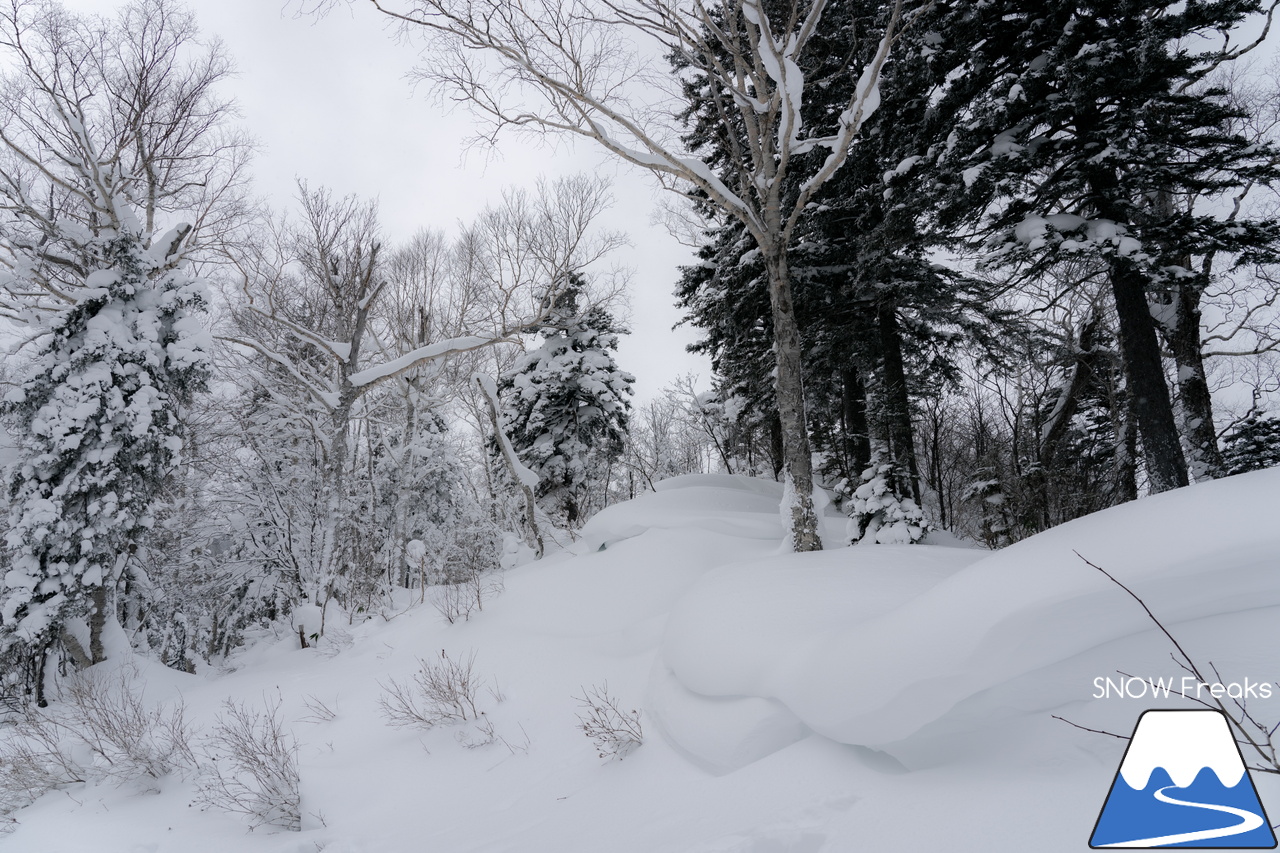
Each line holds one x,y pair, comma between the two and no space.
1191,554
890,698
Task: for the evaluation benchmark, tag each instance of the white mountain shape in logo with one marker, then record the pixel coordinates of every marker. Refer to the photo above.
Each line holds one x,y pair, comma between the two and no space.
1183,743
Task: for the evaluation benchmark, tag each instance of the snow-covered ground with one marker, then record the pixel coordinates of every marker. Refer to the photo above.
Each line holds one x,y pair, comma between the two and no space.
887,698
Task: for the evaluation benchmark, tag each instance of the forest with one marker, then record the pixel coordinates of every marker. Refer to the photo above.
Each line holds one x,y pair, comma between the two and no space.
961,268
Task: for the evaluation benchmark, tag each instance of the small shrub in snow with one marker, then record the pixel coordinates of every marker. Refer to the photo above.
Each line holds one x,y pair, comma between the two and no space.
986,495
318,711
614,732
878,513
457,601
441,692
253,768
101,730
307,621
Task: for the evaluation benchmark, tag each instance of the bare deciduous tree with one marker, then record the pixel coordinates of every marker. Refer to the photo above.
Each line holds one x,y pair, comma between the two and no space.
342,325
591,68
108,124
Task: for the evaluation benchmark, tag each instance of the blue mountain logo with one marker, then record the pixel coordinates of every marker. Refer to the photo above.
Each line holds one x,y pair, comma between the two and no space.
1182,783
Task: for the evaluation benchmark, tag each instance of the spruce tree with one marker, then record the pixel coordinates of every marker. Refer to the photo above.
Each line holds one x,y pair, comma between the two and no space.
1080,128
1253,444
565,403
880,320
97,419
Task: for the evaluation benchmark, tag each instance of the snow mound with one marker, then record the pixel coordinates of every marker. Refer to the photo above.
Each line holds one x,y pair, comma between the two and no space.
720,734
812,631
738,506
752,670
741,627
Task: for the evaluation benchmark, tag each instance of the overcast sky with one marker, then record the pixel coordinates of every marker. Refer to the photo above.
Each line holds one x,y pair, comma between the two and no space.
329,102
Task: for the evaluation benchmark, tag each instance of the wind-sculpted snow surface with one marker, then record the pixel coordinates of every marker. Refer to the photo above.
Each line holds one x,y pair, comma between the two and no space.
871,649
940,665
739,506
744,507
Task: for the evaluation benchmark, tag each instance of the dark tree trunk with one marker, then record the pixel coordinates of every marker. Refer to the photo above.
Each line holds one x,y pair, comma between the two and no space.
789,392
857,440
1126,452
894,396
1055,426
775,445
1140,352
1193,389
41,663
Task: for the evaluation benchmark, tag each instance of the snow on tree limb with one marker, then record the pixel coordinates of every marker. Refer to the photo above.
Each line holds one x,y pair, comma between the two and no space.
421,355
527,477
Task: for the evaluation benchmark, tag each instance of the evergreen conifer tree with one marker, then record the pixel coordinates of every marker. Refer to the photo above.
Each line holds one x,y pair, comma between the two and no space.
97,420
1253,444
566,403
1078,128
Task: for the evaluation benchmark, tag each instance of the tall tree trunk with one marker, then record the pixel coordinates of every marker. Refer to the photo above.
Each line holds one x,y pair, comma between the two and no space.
777,455
1179,321
789,392
533,534
1195,402
98,623
1126,456
896,401
1140,351
857,440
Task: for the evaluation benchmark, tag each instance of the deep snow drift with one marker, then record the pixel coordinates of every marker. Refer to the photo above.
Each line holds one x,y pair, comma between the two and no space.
890,698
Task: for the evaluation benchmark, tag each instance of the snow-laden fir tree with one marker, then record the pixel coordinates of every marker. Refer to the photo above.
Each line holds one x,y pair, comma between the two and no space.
96,416
111,133
1253,444
565,403
879,509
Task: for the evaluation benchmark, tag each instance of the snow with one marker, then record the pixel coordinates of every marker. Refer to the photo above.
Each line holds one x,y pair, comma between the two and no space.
371,375
889,697
528,478
689,168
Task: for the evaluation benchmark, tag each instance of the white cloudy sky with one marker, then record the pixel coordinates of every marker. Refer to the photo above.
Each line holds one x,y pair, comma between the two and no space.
329,102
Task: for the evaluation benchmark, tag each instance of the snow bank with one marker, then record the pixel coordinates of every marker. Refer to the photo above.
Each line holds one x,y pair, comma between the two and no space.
942,660
743,507
737,506
719,734
872,653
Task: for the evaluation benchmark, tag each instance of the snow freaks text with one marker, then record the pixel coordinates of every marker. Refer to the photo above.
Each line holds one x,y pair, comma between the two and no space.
1135,687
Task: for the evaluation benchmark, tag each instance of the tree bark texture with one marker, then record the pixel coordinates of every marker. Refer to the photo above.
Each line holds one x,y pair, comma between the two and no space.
789,392
1144,375
897,404
1195,401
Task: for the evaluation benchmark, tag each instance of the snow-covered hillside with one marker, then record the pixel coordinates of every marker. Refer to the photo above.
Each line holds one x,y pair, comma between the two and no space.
888,698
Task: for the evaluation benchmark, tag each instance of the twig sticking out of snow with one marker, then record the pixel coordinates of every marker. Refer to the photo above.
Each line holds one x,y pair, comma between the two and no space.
254,768
614,732
441,692
1252,733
